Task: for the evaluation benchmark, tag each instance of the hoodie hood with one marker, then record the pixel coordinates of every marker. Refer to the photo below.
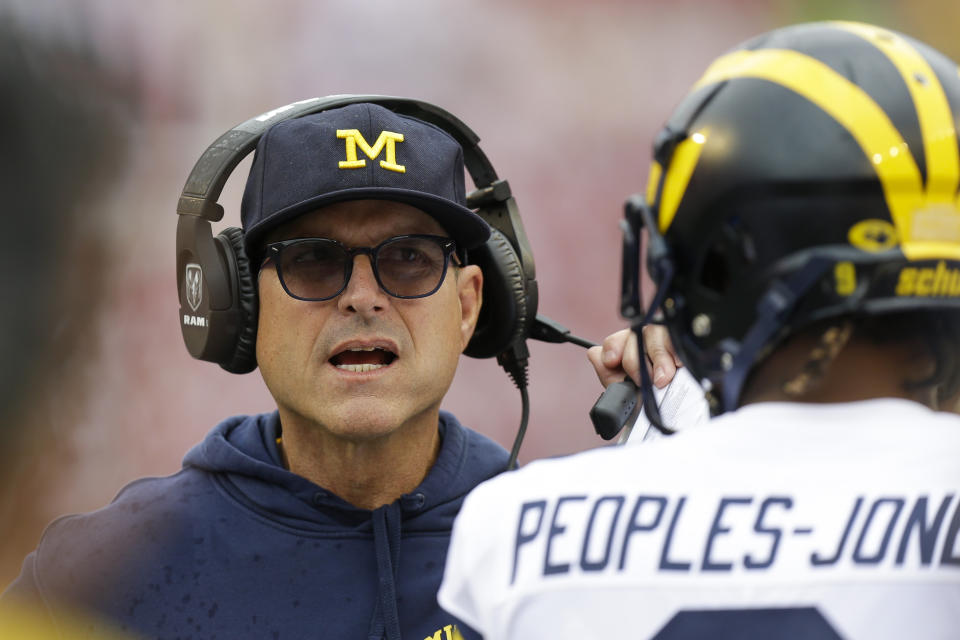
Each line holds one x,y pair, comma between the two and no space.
244,449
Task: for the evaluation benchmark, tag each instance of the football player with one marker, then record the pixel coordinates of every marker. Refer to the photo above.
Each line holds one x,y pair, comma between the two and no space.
804,238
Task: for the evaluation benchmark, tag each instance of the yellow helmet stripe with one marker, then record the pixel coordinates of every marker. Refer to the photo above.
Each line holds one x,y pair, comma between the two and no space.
682,163
846,103
653,181
937,125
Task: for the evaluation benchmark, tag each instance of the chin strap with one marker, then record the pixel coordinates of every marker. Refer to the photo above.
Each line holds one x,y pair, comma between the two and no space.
773,309
650,408
618,404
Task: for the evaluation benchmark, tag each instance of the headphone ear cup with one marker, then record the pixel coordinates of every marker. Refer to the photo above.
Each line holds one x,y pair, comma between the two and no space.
503,314
243,359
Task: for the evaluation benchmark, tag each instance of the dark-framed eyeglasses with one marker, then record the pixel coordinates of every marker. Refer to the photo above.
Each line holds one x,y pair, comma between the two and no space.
316,269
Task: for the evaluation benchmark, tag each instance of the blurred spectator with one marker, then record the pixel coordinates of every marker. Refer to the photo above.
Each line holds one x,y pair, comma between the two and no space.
65,117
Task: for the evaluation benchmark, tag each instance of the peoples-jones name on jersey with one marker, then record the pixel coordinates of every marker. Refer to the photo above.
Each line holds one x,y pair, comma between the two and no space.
624,533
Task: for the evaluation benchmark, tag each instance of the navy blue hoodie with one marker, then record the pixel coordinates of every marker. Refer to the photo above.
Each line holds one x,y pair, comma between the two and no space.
235,546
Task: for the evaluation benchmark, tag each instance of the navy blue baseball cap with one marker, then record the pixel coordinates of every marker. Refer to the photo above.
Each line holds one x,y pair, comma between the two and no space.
361,151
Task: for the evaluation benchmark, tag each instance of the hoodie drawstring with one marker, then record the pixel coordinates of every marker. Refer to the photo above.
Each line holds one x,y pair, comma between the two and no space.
386,544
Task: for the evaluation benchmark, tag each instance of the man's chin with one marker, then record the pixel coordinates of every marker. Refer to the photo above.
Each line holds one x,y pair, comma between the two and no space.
364,420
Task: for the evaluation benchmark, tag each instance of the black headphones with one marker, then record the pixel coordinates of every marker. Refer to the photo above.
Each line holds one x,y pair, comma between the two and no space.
218,285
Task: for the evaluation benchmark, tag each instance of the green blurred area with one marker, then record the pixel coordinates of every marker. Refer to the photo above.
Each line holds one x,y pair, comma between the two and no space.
935,22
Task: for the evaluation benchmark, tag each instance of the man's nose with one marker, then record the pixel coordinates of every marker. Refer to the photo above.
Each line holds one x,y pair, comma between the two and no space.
363,293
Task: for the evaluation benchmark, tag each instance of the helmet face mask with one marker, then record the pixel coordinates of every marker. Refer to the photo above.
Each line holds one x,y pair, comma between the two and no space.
811,173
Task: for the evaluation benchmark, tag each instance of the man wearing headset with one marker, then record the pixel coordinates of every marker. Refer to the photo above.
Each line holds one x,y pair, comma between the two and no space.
804,241
329,517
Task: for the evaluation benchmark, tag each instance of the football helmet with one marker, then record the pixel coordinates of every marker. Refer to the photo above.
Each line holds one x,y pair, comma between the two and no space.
812,172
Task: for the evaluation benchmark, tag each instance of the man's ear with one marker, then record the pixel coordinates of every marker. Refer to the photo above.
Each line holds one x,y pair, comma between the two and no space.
470,291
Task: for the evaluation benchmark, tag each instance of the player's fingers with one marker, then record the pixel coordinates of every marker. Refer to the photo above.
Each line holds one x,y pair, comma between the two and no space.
612,349
663,362
606,359
631,360
607,375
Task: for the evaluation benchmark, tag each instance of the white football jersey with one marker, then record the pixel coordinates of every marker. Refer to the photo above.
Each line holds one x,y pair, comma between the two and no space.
775,521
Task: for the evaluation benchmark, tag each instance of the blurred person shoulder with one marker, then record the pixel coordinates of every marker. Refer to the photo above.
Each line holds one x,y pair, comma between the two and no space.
29,620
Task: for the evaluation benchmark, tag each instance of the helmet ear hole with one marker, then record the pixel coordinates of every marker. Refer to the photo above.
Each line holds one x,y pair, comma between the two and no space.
730,254
714,274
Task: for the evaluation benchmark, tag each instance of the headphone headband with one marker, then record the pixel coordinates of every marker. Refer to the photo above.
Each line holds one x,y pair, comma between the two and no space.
210,173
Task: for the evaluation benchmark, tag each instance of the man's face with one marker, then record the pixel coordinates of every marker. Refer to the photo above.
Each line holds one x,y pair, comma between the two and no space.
305,349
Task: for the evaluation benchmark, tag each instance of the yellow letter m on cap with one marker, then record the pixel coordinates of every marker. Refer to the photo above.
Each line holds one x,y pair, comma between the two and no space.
387,140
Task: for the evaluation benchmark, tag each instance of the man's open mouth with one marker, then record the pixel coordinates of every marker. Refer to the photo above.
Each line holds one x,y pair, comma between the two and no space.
363,359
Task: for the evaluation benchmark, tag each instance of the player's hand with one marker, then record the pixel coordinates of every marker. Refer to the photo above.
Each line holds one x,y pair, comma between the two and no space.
617,357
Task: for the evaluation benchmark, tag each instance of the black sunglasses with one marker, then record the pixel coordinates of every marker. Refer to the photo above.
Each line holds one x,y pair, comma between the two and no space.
315,269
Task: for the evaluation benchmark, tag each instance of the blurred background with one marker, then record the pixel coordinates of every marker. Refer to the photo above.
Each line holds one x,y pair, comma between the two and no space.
565,95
